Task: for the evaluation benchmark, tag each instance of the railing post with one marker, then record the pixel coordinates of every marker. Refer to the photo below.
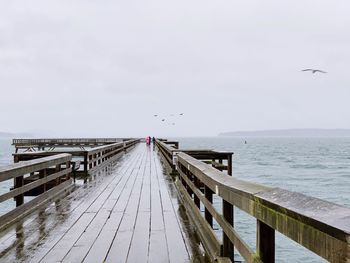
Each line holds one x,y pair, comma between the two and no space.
42,174
19,182
209,195
90,164
68,165
265,240
189,176
196,199
229,164
57,169
228,248
85,163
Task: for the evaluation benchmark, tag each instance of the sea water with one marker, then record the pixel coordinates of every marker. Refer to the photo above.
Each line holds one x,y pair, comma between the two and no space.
6,151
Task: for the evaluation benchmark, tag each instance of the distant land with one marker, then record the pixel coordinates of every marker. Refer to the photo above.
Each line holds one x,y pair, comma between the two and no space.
290,133
9,135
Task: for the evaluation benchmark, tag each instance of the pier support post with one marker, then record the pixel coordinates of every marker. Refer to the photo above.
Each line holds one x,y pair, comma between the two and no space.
196,199
189,176
42,174
57,169
265,242
85,164
209,195
90,163
227,247
19,182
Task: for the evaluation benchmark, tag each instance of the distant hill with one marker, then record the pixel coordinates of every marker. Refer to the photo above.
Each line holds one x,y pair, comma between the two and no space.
290,133
8,135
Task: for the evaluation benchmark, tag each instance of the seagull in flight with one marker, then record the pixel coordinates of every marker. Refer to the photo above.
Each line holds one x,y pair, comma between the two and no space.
163,119
314,70
181,114
155,115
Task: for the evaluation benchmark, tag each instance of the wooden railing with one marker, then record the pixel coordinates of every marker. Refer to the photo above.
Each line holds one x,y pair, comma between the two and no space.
320,226
88,158
99,155
168,152
215,158
63,141
48,176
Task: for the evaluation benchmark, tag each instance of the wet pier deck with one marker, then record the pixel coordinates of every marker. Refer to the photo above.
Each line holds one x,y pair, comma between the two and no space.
127,213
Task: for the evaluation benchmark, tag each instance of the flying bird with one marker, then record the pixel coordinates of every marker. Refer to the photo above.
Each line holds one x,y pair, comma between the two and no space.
163,119
314,70
155,115
181,114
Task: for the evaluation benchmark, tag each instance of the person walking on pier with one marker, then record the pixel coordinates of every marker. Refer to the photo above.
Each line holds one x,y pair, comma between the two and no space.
148,140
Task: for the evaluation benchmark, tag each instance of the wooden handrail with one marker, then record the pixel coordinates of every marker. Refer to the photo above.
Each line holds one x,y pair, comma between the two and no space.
318,225
19,169
42,171
167,151
88,158
98,155
64,140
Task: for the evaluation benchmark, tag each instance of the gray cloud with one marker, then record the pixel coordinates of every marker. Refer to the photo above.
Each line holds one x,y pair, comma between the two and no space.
229,65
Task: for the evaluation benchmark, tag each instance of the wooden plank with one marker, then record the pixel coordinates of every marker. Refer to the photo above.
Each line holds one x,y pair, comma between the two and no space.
62,247
107,245
158,248
85,242
121,244
158,251
177,248
82,246
140,241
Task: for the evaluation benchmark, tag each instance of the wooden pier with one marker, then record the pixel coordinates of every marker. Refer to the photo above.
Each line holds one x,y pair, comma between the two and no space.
141,203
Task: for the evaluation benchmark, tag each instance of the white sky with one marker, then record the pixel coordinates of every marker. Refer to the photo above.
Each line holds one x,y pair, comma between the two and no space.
103,68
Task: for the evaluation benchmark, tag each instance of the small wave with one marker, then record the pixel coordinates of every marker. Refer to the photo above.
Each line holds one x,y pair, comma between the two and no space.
263,163
341,167
289,161
309,166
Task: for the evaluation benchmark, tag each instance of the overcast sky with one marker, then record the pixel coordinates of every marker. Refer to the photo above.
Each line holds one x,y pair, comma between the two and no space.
103,68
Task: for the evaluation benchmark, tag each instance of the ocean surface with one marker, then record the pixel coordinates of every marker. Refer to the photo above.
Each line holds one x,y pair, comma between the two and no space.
318,167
